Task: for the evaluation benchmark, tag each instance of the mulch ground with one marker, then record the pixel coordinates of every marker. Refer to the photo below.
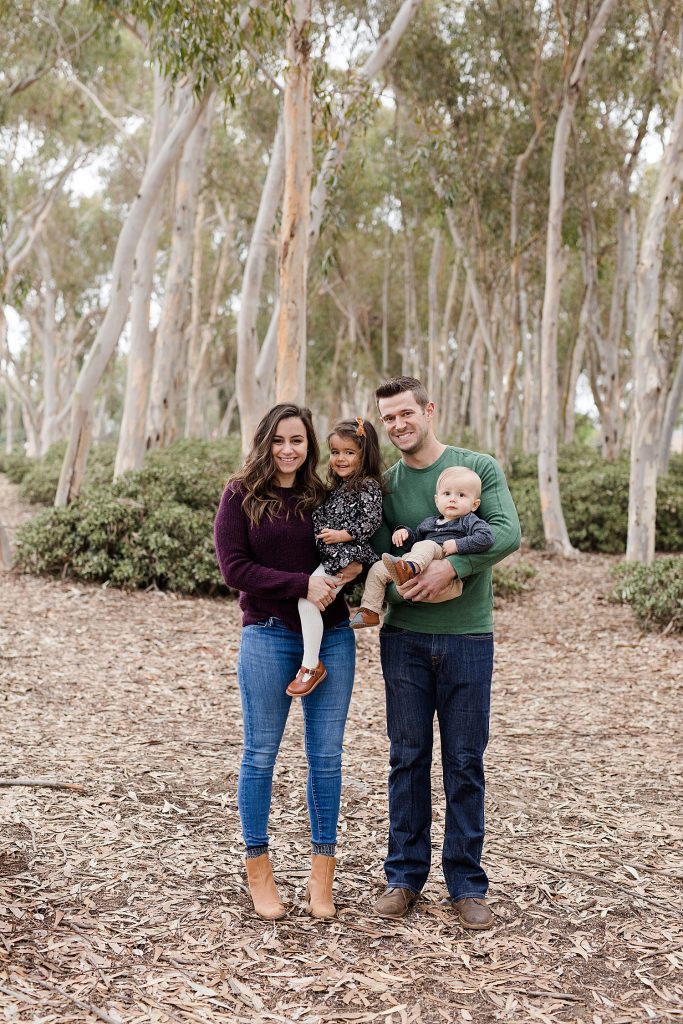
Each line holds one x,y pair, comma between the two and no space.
125,901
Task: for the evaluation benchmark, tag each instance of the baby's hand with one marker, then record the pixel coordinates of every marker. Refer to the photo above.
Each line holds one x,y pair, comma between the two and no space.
450,547
399,537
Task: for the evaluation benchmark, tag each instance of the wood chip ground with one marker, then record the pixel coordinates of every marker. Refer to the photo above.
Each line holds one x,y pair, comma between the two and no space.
126,901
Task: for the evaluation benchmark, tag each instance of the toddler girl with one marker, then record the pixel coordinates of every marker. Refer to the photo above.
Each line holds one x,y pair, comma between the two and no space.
345,521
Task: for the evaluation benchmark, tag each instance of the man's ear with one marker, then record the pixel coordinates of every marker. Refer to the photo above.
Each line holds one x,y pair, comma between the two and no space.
475,504
430,408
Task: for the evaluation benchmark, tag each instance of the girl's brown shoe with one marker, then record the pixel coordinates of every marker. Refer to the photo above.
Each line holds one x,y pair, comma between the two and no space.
306,680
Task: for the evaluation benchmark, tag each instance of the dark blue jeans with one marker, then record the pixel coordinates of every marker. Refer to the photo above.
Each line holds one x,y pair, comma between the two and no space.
448,675
269,658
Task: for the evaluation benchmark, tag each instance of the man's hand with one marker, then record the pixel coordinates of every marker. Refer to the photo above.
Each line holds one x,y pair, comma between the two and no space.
450,547
349,572
399,537
430,583
334,536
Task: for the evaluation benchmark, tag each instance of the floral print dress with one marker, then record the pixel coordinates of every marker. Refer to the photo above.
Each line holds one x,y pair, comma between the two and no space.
358,511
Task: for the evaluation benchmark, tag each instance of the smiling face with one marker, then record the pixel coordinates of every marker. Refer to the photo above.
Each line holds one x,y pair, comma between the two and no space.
457,493
408,425
289,449
344,456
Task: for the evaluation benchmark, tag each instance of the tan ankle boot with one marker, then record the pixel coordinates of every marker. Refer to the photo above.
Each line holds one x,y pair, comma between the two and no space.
267,902
319,889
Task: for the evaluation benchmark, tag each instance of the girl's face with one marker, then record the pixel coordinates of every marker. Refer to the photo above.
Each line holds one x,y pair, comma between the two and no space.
289,449
344,456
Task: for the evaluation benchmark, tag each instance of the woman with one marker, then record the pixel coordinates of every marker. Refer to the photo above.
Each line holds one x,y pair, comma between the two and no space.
266,549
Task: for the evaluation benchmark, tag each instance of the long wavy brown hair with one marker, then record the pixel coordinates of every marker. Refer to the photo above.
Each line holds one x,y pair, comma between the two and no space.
257,475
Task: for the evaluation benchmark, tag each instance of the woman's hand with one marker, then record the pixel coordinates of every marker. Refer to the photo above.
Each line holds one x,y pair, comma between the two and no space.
399,537
321,591
328,536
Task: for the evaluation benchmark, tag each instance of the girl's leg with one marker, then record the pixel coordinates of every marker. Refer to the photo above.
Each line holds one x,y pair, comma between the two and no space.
269,656
325,711
311,627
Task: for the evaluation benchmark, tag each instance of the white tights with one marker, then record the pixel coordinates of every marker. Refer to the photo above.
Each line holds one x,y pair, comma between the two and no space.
312,625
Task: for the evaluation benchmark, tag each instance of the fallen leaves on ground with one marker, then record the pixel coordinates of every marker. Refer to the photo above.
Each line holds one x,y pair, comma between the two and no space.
127,902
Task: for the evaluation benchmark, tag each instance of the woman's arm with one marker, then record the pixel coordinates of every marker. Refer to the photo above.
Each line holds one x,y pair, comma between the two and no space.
236,560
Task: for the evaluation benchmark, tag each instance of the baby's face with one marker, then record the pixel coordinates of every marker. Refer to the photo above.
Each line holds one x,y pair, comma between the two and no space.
456,497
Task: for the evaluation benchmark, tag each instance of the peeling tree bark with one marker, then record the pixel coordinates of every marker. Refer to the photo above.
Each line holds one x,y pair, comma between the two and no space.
80,431
649,365
290,375
130,453
554,527
169,351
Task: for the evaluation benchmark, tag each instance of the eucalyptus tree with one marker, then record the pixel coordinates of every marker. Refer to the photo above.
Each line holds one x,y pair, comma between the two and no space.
201,47
48,133
649,364
257,361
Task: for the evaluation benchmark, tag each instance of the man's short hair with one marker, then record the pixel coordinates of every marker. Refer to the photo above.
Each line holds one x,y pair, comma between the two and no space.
397,385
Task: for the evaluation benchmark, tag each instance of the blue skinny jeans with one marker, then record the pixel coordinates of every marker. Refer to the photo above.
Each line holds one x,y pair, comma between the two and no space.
269,658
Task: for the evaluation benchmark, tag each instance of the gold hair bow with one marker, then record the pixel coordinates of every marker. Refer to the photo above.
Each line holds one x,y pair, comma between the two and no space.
360,429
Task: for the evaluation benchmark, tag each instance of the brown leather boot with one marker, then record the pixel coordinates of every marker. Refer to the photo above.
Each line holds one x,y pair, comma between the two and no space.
319,889
267,902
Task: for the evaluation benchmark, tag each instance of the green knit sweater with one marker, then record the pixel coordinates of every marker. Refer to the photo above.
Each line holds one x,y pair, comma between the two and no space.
409,501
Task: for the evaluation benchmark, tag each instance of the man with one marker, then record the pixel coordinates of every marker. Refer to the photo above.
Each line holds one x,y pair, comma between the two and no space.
437,658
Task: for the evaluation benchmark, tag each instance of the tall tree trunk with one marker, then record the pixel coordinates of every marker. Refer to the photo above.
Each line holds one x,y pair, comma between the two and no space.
386,280
649,364
247,379
256,397
130,452
433,311
202,335
49,432
673,405
169,351
290,376
9,418
80,431
554,527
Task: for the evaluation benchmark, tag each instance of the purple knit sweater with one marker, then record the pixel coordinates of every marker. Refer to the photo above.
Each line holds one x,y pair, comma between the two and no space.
270,563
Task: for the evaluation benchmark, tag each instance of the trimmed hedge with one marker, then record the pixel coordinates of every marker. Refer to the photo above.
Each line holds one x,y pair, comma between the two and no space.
595,501
654,592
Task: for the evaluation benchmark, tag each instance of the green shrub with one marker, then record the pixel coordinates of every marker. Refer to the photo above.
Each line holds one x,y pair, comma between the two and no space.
149,528
15,466
595,501
512,580
39,478
654,592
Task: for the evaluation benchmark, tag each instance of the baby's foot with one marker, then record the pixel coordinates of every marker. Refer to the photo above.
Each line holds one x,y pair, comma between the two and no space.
363,618
400,570
306,680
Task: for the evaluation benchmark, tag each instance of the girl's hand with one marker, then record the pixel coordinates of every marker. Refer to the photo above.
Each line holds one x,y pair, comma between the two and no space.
328,536
399,537
349,572
450,547
321,591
